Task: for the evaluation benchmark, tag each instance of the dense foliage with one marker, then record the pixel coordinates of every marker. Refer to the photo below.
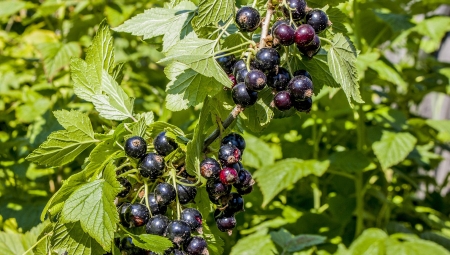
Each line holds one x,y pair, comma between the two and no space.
79,78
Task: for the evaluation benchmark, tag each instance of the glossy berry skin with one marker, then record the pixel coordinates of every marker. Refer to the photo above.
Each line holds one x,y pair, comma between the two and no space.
136,215
245,190
255,80
216,188
297,9
300,87
267,59
284,35
303,106
192,217
279,80
228,175
304,35
126,187
226,62
241,74
163,144
303,72
225,222
155,208
157,225
178,232
222,201
135,147
236,204
311,49
229,154
282,101
122,210
242,96
234,139
165,194
318,19
247,19
210,168
196,246
186,193
277,23
245,179
239,65
152,166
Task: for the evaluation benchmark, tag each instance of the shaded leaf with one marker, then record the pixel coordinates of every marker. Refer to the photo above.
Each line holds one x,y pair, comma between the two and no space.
57,55
393,148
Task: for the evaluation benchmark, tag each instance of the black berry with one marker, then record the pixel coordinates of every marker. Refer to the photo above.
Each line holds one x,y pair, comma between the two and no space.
234,139
178,232
216,188
126,187
279,80
225,222
297,8
186,193
304,35
152,166
255,80
247,19
135,147
235,204
122,218
136,215
318,19
196,246
245,179
155,208
267,59
245,190
239,65
303,106
284,35
229,154
279,22
300,87
163,144
228,175
192,217
165,194
157,225
241,74
303,72
226,62
210,168
311,49
242,96
282,101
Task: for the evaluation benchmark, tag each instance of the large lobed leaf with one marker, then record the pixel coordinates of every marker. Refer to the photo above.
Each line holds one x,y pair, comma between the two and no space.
393,148
72,238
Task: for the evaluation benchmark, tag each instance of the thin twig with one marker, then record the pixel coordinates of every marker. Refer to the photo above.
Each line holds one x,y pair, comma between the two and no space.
265,25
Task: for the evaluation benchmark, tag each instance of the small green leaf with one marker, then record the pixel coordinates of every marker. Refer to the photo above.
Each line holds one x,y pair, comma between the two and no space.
85,82
154,243
57,55
234,40
274,178
257,152
71,238
443,127
388,73
8,8
212,237
260,243
338,18
211,12
75,120
140,127
259,115
292,243
393,148
369,242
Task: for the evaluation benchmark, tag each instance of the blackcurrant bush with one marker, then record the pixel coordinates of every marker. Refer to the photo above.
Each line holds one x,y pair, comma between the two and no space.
245,179
152,166
267,59
135,147
226,62
255,80
136,215
123,207
282,101
155,208
304,35
165,193
216,188
242,96
229,154
186,193
210,168
196,246
247,19
303,72
163,144
297,8
235,204
178,232
245,190
225,222
239,65
157,225
318,19
300,87
126,187
284,35
234,139
241,74
311,49
279,80
192,217
303,106
228,175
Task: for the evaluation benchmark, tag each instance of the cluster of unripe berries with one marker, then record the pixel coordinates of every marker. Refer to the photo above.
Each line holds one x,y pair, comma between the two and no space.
223,176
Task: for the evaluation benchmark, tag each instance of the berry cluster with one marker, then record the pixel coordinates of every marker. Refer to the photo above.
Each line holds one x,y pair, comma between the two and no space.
225,175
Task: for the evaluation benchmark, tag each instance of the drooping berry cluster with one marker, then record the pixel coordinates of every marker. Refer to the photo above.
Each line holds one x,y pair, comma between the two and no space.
223,176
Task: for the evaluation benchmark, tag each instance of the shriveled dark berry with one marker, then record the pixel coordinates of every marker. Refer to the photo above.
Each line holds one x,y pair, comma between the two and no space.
157,225
239,65
279,80
216,188
135,147
122,218
303,72
192,217
297,8
186,193
300,88
245,190
242,96
282,101
247,19
155,208
229,154
225,61
235,204
228,175
152,166
311,49
318,19
165,194
267,59
304,35
163,144
245,179
284,35
196,246
210,168
234,139
255,80
225,222
126,187
136,215
178,232
303,106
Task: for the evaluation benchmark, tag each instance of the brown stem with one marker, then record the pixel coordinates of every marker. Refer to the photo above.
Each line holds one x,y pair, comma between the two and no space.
266,23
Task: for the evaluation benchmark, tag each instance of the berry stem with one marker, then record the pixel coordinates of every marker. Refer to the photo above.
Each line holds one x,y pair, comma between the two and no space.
225,124
173,172
137,194
132,171
146,197
266,23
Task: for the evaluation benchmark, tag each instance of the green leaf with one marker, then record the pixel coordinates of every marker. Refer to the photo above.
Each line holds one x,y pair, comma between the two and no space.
393,148
345,161
212,237
61,147
93,205
443,127
174,24
57,55
12,243
85,82
274,178
259,115
232,41
72,238
100,55
8,8
338,18
257,152
414,246
292,243
148,116
389,74
140,127
154,243
255,244
210,12
369,242
342,64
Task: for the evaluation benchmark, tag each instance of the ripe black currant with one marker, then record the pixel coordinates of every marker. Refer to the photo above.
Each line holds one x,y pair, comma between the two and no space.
303,72
297,8
155,208
226,62
318,19
228,175
186,193
136,215
300,87
126,187
157,225
284,34
122,218
222,201
152,166
304,105
245,179
311,49
267,59
242,96
241,74
225,222
239,65
304,35
255,80
216,188
229,154
244,190
135,147
238,166
192,217
165,193
234,139
163,144
279,80
235,204
210,168
247,19
178,232
196,246
282,101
